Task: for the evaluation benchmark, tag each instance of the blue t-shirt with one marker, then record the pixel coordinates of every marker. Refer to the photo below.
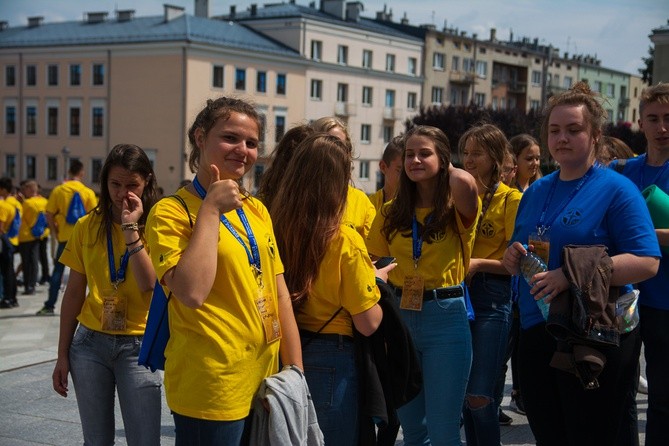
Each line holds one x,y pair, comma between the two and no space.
607,210
654,290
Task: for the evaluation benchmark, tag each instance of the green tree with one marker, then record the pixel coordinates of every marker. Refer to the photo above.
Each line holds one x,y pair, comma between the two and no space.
647,71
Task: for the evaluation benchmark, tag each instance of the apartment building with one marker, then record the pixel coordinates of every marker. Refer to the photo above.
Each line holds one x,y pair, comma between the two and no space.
75,89
660,39
367,74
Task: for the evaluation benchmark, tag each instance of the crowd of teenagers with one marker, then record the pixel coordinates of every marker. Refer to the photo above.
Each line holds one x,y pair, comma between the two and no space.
282,323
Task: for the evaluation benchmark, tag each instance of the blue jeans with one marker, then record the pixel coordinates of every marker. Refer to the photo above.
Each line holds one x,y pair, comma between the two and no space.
491,298
199,432
655,335
56,278
102,364
332,376
444,346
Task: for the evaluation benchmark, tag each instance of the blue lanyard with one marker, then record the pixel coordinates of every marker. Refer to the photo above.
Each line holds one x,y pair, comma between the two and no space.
642,186
417,239
542,225
253,254
117,276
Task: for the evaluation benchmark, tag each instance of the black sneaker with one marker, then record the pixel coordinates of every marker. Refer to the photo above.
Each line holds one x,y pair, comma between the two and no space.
516,403
45,312
504,419
4,303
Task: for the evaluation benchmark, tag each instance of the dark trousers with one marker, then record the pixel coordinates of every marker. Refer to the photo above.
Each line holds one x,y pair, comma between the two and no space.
29,252
44,259
7,271
655,334
561,412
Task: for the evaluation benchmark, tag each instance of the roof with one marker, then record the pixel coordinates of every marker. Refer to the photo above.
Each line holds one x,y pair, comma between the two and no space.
142,30
291,10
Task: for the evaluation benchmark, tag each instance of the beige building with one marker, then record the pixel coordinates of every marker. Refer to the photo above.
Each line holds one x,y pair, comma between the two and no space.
660,39
76,89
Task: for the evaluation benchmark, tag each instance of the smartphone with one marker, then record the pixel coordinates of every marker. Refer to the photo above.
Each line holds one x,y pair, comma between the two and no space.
383,262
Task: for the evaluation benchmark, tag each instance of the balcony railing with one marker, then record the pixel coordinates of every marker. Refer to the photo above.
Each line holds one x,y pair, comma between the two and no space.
624,102
391,114
462,77
344,109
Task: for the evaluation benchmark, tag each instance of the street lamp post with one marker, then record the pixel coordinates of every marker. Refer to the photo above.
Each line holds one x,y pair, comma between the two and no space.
66,158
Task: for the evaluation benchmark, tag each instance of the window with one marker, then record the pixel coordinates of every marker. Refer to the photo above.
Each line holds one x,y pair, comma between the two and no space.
365,133
52,121
10,165
75,75
481,68
262,117
479,99
364,170
98,74
75,114
31,120
240,79
439,61
217,76
316,49
556,80
30,167
609,115
455,63
388,133
610,90
454,96
31,75
534,104
390,98
279,127
342,92
367,96
261,82
597,87
623,91
98,115
536,77
366,58
412,99
10,120
342,54
412,65
10,75
468,65
52,168
566,82
316,89
96,170
390,63
281,84
52,75
437,95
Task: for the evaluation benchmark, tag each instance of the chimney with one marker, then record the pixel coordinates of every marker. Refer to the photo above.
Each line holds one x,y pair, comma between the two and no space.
125,15
233,11
4,25
34,22
510,35
493,34
254,9
202,8
404,20
173,12
353,10
96,17
334,7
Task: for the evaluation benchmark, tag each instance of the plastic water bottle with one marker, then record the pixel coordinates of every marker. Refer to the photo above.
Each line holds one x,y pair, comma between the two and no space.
531,264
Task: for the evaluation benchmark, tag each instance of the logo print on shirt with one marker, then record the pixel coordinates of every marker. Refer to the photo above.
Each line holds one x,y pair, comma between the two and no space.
270,245
487,229
572,217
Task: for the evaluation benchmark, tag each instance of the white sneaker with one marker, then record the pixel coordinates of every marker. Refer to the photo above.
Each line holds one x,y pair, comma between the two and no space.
643,385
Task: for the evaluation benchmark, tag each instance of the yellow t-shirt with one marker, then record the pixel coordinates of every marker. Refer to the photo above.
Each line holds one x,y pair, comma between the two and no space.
7,212
442,263
87,254
217,355
59,202
377,199
345,279
31,210
359,212
498,223
16,205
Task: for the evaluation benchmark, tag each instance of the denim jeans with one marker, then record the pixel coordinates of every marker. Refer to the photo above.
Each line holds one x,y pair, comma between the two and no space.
56,278
444,346
560,412
102,364
655,335
198,432
332,377
491,299
8,289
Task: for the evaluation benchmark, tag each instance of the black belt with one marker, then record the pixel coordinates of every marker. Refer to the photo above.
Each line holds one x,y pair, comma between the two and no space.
324,336
494,276
450,292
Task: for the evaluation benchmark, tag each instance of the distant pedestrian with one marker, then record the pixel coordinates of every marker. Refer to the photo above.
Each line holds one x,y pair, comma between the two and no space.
33,219
391,168
10,223
528,160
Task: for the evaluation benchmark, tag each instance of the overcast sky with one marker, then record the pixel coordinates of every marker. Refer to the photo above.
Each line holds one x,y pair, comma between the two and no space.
616,31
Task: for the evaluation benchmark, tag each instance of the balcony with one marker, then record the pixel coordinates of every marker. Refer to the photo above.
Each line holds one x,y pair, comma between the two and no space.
344,109
517,87
624,102
462,77
391,114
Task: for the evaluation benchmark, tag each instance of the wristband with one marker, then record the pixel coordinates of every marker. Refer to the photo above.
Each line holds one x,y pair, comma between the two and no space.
129,227
135,250
133,242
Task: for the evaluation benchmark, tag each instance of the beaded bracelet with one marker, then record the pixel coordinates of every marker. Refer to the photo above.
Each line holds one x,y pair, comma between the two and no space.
129,227
135,250
133,242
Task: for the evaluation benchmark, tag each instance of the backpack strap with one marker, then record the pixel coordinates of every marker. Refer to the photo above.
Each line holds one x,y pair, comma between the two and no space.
620,165
183,203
